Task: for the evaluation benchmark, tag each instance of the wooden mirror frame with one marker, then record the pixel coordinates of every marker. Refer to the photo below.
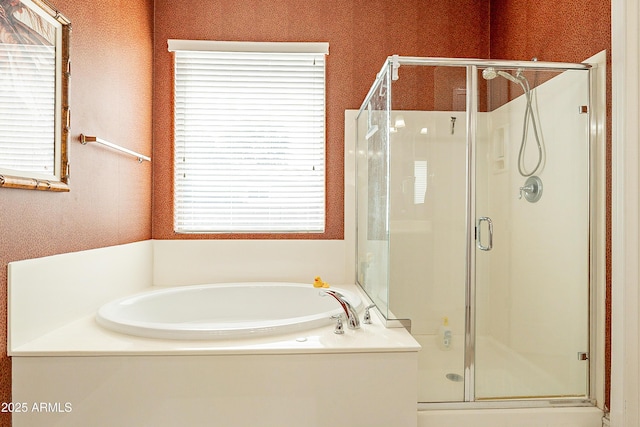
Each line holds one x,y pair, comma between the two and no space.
60,182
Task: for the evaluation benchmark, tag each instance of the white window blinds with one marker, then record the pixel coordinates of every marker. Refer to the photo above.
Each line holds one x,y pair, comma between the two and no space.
27,109
249,140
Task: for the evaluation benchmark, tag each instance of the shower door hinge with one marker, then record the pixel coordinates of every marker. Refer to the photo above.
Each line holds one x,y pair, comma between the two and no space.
583,355
584,109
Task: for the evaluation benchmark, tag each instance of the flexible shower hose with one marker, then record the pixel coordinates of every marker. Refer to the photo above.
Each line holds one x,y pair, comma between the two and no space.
529,116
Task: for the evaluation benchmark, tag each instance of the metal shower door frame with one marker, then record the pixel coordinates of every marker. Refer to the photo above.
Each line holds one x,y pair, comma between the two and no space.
472,65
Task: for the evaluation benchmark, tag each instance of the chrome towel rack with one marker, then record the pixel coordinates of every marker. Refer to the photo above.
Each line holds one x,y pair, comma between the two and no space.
84,139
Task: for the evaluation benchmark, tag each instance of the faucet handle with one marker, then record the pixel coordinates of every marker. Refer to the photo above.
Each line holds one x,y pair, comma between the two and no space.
532,189
525,190
367,315
339,326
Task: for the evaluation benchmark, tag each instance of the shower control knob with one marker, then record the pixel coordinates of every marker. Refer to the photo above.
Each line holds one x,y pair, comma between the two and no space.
532,189
526,189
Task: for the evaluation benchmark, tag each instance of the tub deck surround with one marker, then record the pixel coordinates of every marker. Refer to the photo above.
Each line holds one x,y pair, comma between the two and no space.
311,390
64,358
187,262
47,293
80,283
84,336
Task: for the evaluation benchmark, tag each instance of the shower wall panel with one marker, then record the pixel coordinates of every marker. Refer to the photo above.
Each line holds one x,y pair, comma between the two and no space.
427,220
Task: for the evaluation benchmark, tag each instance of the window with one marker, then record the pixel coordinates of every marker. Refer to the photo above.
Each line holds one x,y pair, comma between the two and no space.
27,118
249,137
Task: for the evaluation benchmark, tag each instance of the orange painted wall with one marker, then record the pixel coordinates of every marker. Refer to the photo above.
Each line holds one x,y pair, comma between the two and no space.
110,199
551,30
361,35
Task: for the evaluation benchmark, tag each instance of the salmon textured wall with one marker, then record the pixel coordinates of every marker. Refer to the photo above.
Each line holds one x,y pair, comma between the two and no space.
361,35
110,201
550,30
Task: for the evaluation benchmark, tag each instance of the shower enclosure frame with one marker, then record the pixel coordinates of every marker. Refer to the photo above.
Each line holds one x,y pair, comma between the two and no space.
390,71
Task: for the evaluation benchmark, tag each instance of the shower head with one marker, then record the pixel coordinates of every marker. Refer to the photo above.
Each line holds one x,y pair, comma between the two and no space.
490,73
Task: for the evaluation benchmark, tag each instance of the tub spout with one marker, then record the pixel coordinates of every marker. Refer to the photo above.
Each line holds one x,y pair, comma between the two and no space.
352,316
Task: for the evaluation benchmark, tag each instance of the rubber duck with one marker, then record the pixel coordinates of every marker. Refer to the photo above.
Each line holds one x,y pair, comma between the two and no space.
318,283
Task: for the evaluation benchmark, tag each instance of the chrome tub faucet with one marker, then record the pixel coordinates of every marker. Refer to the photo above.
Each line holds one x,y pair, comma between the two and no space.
352,316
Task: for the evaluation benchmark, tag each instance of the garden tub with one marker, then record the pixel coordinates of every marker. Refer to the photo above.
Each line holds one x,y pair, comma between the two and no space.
228,310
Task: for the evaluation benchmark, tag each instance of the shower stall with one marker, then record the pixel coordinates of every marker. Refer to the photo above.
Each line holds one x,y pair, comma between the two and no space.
476,227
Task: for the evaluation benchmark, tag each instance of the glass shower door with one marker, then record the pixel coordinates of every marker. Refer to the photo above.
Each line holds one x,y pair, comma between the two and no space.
532,235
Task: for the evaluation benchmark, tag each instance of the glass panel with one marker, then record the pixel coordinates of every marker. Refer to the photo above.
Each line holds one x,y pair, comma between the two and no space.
529,271
372,195
532,293
427,225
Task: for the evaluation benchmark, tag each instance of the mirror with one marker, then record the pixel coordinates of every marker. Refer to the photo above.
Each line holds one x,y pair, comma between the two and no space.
34,99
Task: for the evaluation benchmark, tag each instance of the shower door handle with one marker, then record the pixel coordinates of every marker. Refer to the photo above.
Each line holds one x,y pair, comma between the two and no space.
479,234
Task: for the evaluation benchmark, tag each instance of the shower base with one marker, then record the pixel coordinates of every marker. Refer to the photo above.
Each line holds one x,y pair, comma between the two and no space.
500,373
441,383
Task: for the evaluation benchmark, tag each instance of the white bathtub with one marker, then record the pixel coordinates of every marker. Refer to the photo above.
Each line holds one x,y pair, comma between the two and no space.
229,310
103,378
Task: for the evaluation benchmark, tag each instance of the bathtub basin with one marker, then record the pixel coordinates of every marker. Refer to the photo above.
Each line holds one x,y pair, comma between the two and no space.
222,311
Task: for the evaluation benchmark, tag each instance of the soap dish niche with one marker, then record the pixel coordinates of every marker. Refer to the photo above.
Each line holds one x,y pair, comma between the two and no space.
498,153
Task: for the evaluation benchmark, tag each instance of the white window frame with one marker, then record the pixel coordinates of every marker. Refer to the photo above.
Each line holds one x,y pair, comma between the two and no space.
280,188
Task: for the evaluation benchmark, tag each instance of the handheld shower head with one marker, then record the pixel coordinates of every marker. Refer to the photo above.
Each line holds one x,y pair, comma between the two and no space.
489,73
519,78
